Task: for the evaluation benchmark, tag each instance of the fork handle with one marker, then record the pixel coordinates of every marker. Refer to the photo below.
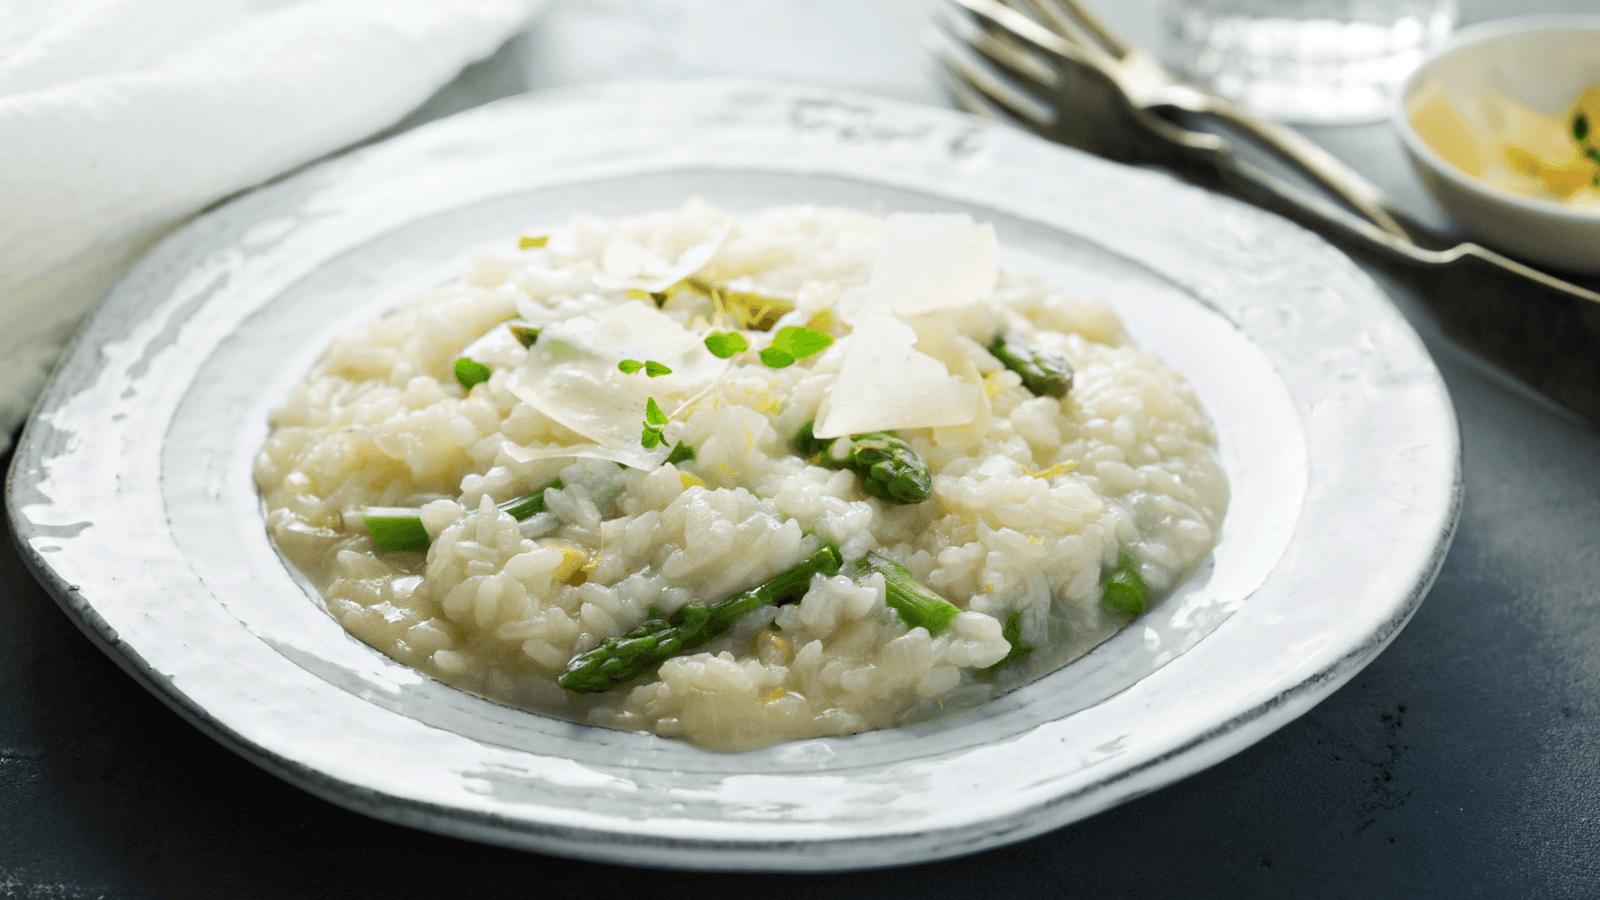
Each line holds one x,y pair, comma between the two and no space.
1539,328
1305,156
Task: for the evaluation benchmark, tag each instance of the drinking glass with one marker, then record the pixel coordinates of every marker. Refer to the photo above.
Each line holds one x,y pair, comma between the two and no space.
1307,61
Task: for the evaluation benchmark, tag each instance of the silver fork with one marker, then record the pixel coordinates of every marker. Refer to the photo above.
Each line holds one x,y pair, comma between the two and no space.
1076,83
1077,43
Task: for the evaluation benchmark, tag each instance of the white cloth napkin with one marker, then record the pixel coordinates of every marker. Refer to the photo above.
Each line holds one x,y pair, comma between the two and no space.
118,118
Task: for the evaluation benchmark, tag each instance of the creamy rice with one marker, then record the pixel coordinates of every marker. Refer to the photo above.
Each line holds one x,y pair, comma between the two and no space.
1033,501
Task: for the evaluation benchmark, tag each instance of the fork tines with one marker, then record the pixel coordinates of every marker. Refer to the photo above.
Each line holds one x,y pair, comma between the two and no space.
989,70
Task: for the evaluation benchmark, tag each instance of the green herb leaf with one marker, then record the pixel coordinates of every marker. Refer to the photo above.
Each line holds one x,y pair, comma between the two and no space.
526,335
470,373
652,437
529,242
653,414
800,342
681,453
775,358
1580,128
724,344
650,367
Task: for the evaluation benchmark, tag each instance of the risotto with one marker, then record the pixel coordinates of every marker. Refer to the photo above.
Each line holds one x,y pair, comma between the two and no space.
742,481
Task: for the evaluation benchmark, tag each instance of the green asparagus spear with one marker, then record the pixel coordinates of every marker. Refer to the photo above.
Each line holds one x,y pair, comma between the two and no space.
886,466
532,503
1044,372
392,533
405,532
917,604
619,660
1019,651
807,444
1125,592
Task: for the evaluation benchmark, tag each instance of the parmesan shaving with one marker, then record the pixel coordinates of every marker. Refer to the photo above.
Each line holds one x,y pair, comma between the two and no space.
571,375
634,457
627,265
885,382
956,351
497,347
933,261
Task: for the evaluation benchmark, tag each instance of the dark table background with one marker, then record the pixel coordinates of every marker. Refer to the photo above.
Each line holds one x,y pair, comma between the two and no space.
1463,762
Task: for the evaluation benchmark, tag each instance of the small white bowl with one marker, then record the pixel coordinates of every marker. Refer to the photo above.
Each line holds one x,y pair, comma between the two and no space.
1543,62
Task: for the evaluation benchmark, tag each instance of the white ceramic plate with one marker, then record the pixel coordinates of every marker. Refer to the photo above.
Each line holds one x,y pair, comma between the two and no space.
132,497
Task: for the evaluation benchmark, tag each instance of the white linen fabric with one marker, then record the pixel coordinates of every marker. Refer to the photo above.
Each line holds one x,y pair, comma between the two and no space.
119,118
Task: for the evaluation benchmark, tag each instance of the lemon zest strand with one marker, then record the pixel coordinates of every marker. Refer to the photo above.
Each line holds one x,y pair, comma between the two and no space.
1057,469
